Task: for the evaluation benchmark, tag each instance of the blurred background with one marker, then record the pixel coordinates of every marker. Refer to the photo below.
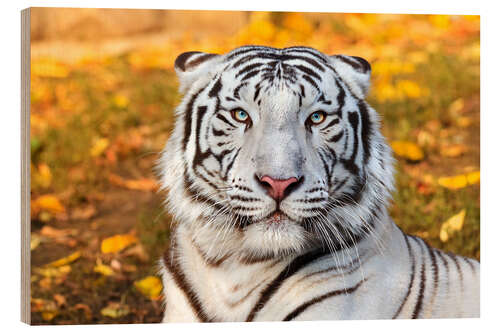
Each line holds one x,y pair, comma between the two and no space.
103,93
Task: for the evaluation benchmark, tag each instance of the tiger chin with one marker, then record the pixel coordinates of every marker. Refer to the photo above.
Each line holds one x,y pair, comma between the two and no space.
278,179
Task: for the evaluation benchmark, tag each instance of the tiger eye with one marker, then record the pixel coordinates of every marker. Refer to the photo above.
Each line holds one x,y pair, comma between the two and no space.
317,118
240,115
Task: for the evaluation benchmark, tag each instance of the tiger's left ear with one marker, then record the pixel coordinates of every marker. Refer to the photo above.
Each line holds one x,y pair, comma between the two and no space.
191,66
355,71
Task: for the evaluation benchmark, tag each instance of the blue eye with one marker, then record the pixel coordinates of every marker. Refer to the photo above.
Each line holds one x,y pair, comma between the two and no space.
317,117
240,115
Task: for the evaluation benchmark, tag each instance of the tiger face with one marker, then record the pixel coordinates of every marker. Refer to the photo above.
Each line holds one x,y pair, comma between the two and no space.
275,150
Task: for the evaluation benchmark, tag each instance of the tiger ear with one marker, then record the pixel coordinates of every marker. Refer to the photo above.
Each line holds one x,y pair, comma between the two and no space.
355,71
190,66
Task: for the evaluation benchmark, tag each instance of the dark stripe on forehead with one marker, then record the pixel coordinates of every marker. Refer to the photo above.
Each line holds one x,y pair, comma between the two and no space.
246,49
249,68
308,71
216,88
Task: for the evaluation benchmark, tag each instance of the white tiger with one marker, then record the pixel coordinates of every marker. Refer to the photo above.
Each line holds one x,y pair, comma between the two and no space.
278,178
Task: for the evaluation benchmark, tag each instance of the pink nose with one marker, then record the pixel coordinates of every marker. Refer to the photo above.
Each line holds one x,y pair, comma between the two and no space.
277,187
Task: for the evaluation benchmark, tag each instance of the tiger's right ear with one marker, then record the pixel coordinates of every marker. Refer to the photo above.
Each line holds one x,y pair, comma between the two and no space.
191,66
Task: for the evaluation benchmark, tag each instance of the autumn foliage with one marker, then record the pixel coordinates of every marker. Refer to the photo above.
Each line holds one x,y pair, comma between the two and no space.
99,121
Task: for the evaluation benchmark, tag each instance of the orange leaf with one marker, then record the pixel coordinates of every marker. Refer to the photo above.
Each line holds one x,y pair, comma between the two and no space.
48,203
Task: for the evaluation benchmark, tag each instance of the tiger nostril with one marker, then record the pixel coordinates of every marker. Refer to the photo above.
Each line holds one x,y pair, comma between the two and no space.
278,189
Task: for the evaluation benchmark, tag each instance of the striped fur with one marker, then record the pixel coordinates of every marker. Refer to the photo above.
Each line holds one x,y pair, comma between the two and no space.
325,250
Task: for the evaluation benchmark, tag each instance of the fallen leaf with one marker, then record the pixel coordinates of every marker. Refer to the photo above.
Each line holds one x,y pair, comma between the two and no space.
460,181
453,150
60,299
115,310
121,101
66,260
85,308
473,177
117,243
452,225
35,240
52,272
150,287
408,150
48,203
143,184
50,232
83,213
464,122
456,106
99,147
139,252
42,175
103,269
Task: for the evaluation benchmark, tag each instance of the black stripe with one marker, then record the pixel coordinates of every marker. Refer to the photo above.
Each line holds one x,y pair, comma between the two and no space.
221,117
321,298
297,264
421,289
412,277
435,268
459,269
188,117
248,68
334,121
336,137
308,71
311,81
214,92
172,265
366,130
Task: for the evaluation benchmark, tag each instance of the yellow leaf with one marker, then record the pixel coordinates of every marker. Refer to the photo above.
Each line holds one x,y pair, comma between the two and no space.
49,315
453,183
150,286
66,260
34,241
115,310
117,243
452,225
103,269
460,181
42,175
49,68
99,147
473,177
456,106
408,150
121,101
53,272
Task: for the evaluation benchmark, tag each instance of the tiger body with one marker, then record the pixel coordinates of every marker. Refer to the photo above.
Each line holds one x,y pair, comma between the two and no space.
279,179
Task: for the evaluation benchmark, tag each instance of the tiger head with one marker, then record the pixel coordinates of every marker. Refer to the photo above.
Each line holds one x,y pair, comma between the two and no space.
275,150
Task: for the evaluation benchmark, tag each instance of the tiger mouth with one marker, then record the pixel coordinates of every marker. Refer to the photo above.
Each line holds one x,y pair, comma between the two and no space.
275,218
